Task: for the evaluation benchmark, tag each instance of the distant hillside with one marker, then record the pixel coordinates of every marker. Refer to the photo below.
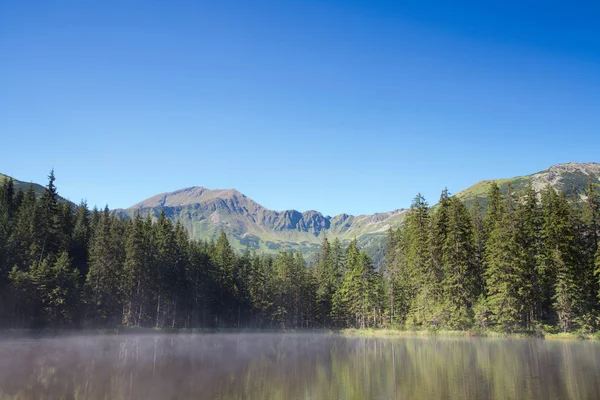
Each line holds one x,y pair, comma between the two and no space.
39,189
248,224
205,212
571,178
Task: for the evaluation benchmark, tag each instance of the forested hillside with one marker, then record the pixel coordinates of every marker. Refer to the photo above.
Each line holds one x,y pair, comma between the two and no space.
522,262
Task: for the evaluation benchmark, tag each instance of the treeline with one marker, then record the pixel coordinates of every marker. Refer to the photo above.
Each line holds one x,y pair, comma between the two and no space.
527,262
64,265
519,264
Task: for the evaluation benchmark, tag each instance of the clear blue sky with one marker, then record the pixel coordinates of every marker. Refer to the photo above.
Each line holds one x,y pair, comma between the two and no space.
338,106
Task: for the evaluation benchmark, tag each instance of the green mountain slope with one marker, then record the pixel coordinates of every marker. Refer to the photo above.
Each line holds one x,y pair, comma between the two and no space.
39,189
571,178
205,212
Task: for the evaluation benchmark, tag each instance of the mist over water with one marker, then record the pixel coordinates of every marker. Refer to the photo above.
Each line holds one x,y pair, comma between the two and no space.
295,366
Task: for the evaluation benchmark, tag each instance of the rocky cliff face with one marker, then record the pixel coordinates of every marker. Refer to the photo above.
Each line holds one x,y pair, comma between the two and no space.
567,177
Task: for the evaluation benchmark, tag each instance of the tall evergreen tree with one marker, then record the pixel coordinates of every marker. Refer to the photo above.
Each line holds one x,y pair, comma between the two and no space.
528,242
49,227
105,270
224,258
480,238
423,275
564,271
503,272
460,280
136,289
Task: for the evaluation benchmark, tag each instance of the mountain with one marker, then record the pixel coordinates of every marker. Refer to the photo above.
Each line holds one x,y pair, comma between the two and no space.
205,212
39,189
571,178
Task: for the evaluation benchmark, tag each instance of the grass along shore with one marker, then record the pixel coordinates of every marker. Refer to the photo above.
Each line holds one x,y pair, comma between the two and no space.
395,333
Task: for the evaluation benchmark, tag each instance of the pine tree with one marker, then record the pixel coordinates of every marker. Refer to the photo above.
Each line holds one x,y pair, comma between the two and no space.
480,238
528,240
561,263
167,271
134,282
224,258
327,272
49,228
459,285
105,270
439,232
494,208
357,295
26,238
591,239
597,270
402,280
592,214
503,272
6,228
422,275
80,239
58,289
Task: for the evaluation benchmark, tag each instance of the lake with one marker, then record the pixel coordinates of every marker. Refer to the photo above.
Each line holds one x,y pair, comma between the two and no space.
296,366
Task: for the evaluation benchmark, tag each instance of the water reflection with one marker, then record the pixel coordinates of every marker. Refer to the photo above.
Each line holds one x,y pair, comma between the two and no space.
290,366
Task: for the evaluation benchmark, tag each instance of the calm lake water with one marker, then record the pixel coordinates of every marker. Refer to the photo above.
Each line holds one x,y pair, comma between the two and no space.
296,366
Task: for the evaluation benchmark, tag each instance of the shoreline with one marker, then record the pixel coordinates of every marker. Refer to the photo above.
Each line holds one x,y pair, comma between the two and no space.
346,332
398,333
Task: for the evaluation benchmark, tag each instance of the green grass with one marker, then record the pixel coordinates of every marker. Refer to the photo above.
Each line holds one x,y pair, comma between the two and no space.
395,333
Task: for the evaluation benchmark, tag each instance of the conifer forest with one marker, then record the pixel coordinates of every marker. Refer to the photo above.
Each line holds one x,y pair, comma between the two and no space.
515,262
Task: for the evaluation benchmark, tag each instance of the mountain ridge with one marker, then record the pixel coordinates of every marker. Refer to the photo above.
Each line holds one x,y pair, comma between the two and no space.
248,224
205,212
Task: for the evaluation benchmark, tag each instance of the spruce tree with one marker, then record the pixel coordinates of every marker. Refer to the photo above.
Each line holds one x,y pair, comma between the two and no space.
224,258
402,282
322,270
591,238
6,229
104,276
503,272
26,235
597,270
134,282
561,261
80,239
459,285
49,227
494,208
422,274
358,294
439,231
480,238
58,289
528,241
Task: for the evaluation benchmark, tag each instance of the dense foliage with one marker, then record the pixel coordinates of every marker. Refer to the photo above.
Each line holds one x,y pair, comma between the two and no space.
530,262
521,263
